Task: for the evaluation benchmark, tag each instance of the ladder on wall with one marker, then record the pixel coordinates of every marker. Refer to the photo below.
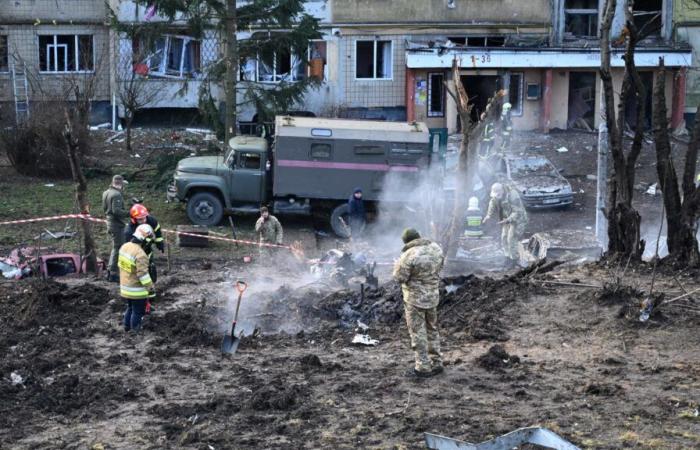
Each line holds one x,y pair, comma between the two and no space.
21,92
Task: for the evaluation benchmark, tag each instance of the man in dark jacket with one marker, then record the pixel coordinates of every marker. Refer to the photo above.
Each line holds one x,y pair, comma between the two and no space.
356,208
139,215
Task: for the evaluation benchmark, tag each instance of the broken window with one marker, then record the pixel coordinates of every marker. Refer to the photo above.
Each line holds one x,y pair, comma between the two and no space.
647,16
4,54
436,95
582,95
373,60
66,53
317,59
459,40
168,56
280,65
515,93
581,18
486,41
249,161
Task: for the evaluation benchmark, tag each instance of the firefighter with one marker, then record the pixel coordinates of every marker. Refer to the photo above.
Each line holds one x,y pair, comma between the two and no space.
113,206
506,127
474,219
139,215
487,139
136,285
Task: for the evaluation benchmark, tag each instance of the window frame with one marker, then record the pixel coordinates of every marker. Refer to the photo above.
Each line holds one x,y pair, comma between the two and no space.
243,156
275,79
517,112
6,38
162,71
52,54
374,67
429,112
582,12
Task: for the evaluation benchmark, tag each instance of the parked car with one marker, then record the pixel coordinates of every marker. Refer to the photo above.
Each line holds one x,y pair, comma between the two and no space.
538,182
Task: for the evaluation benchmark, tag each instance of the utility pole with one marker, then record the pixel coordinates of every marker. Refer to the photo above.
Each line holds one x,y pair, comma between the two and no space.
231,49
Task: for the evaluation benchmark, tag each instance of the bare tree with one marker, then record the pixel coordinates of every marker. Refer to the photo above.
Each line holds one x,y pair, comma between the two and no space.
623,220
681,203
135,90
468,152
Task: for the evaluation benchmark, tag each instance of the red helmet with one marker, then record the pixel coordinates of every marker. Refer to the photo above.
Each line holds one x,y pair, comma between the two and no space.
138,211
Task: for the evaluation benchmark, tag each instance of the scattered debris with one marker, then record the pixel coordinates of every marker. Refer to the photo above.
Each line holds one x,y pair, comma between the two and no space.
562,149
592,177
16,378
57,235
50,185
102,126
532,435
364,339
653,190
497,358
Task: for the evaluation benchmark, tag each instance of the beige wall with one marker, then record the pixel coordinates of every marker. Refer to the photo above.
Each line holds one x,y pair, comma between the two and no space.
24,46
427,11
374,93
61,11
421,110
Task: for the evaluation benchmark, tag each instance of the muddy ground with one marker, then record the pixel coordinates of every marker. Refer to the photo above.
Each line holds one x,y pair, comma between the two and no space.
518,353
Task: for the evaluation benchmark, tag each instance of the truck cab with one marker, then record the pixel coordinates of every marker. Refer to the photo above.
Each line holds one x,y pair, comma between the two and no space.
213,185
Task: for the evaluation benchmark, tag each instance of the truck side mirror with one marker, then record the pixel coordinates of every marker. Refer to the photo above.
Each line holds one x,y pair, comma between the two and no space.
268,165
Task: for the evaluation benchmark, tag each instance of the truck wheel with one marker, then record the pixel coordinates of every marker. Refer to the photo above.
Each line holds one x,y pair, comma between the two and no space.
341,212
205,208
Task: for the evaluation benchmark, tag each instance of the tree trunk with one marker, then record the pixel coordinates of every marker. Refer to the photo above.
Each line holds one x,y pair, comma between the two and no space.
624,236
81,195
231,48
680,218
129,119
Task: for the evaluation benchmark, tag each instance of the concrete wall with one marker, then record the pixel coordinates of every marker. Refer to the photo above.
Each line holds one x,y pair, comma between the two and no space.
23,42
427,11
61,11
691,35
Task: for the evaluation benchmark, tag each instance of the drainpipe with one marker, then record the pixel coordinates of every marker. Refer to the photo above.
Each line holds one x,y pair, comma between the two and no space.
678,103
547,101
410,95
114,112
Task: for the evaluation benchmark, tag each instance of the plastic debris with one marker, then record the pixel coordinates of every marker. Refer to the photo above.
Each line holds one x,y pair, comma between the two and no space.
592,177
653,189
562,149
16,379
364,339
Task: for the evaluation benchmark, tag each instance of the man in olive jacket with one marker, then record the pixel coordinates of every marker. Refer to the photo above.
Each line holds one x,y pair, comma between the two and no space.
117,216
418,271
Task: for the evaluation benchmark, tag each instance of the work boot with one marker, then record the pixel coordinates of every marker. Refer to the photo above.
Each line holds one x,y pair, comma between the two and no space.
413,373
112,277
437,369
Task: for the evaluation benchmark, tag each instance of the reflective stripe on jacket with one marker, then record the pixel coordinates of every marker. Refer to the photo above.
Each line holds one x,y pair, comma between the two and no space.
134,280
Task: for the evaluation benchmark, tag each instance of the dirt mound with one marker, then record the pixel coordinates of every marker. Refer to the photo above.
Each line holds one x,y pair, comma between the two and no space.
190,327
277,397
497,359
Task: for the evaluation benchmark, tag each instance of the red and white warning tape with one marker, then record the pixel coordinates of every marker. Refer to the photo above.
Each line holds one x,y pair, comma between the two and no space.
181,233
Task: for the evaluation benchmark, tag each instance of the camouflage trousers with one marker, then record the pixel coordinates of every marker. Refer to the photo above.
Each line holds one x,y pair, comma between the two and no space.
511,234
425,338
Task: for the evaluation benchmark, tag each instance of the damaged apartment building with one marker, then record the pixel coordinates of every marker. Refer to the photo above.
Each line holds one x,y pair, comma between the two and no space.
378,59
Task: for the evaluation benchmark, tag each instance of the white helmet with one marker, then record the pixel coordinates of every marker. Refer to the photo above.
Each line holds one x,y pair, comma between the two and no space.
497,190
143,231
507,107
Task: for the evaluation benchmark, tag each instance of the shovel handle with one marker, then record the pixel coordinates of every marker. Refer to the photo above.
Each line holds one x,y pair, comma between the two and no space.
241,286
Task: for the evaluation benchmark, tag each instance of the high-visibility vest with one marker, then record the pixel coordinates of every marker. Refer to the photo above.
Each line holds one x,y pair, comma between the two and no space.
134,280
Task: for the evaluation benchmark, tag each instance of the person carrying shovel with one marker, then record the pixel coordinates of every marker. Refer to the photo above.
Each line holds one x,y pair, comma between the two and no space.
135,284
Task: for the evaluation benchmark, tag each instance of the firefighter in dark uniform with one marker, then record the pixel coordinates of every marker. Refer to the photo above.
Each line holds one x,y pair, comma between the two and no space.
139,215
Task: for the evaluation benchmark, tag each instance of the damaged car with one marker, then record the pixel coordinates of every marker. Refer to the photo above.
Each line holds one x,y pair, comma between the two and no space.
538,182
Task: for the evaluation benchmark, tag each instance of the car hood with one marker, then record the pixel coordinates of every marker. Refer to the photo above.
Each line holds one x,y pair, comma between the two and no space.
542,184
210,165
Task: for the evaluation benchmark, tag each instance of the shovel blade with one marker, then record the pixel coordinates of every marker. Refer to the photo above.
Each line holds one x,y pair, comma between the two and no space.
230,344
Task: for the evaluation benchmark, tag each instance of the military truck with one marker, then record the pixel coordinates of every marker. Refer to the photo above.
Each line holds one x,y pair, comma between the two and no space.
311,167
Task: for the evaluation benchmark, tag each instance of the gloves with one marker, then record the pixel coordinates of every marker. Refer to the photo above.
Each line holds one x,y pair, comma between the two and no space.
148,306
161,246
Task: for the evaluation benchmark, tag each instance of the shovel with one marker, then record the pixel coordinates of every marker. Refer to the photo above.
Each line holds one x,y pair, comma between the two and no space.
230,343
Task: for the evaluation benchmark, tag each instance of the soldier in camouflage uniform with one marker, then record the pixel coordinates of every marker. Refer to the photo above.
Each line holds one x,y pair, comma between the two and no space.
507,207
270,231
417,269
117,215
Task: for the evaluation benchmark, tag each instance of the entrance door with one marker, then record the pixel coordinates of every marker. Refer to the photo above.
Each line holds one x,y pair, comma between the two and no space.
248,178
480,88
582,94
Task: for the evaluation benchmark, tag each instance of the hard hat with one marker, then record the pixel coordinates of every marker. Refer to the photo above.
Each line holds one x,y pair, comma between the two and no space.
473,203
138,211
143,231
497,190
506,107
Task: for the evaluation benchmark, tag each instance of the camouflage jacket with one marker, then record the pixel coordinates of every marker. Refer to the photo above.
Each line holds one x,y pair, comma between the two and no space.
113,206
270,230
418,269
510,208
